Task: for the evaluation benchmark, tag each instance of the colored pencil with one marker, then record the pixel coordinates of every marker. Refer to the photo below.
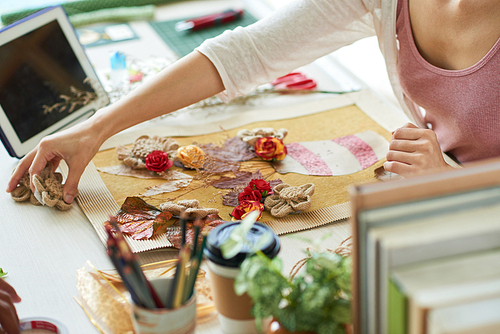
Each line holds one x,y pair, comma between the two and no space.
141,290
195,267
182,222
131,272
196,226
181,282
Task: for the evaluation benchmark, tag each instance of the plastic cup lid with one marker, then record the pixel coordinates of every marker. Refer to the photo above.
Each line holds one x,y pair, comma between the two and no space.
221,233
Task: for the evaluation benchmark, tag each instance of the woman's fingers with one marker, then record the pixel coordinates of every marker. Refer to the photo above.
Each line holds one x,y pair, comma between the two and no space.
10,290
8,314
399,168
404,157
401,145
71,185
22,167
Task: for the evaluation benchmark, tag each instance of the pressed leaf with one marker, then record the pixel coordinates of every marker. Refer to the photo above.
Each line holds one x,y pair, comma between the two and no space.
136,209
234,149
140,219
163,219
241,179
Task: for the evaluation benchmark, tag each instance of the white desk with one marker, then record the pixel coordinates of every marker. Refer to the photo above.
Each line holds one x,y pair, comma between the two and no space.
42,248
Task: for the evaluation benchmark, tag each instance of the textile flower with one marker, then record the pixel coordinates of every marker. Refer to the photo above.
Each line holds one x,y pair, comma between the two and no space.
135,157
262,186
249,195
191,156
244,208
270,148
158,161
287,199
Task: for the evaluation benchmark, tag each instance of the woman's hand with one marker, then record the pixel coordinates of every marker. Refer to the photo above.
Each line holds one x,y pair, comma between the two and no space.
77,146
9,320
413,150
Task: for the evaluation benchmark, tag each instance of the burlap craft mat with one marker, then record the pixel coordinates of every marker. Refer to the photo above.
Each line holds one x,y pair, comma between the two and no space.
330,201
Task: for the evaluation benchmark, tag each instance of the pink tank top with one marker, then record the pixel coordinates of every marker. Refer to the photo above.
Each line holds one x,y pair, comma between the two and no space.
463,106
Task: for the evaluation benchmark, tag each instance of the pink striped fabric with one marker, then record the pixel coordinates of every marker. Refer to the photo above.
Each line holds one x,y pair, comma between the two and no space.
361,150
311,162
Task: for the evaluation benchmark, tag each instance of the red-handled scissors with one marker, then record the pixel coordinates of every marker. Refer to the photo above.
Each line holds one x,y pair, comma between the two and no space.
294,81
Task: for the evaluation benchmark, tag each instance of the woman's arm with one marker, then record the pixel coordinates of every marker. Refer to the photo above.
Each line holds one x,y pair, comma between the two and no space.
236,62
187,81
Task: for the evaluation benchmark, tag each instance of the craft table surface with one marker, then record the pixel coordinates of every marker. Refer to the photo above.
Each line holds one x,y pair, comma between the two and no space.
42,248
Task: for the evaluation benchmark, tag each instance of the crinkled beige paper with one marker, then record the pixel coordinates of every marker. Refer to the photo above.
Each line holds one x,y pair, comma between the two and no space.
103,297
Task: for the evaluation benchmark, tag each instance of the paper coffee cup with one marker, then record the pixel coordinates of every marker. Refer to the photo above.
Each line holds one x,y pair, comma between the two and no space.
234,311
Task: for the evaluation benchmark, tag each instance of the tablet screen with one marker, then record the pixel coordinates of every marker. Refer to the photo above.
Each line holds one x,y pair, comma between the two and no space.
37,70
46,80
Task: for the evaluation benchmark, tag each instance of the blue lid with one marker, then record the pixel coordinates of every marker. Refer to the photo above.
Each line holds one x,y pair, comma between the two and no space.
221,233
118,61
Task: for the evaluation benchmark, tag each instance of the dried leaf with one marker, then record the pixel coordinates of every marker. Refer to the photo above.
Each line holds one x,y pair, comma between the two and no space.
241,179
231,198
136,209
275,182
234,149
215,165
139,219
124,170
162,220
169,186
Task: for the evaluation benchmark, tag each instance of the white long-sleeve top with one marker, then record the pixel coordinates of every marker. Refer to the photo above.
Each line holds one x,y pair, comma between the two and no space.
299,33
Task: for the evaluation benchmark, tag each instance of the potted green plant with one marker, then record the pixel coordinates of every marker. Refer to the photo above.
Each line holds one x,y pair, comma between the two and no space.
316,300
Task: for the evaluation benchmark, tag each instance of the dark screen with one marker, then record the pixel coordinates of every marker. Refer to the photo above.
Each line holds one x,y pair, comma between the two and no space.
36,69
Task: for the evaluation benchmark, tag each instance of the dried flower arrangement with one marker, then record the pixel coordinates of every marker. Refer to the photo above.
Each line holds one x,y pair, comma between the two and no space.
247,191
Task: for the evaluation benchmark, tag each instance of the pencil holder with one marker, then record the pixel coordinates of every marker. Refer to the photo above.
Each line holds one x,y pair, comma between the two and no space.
180,320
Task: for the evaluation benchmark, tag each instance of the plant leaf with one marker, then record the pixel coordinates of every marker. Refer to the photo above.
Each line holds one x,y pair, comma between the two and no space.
3,273
237,239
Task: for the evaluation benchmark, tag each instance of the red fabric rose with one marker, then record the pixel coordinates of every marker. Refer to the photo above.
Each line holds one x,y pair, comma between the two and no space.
262,186
245,207
270,148
249,195
158,161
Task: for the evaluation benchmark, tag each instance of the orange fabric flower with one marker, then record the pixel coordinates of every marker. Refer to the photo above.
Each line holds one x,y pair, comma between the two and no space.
244,208
270,148
191,156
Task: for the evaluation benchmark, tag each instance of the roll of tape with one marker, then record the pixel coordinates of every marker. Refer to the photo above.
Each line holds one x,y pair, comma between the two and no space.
39,323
